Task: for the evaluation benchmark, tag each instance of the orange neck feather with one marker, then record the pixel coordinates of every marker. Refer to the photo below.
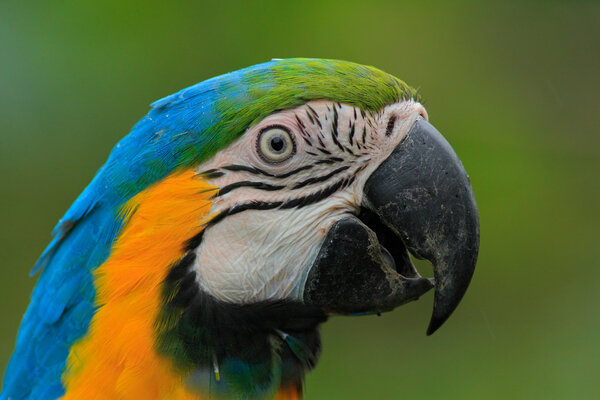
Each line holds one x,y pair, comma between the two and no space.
117,359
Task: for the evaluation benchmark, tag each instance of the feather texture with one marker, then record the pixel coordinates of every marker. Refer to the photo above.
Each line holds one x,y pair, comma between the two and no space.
101,247
117,357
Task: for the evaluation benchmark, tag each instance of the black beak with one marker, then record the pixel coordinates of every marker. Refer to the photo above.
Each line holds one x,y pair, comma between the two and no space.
422,193
419,200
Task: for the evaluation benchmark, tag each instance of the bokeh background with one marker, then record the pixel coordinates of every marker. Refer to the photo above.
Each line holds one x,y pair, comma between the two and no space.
514,86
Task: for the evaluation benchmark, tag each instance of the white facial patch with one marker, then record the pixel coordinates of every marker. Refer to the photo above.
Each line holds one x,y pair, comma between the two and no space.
275,215
259,255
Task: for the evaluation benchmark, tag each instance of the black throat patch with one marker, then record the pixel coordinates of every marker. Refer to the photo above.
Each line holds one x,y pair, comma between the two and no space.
234,349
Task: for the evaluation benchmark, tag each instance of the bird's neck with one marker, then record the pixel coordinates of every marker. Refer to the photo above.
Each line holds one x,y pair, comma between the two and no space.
240,350
152,338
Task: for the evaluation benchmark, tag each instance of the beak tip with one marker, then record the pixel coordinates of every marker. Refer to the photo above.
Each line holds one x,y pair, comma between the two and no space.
434,324
434,212
447,298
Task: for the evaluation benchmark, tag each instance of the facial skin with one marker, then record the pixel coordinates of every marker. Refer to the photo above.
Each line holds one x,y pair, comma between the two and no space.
290,201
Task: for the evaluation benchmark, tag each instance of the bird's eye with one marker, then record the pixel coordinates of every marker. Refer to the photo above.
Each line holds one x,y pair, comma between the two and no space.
275,144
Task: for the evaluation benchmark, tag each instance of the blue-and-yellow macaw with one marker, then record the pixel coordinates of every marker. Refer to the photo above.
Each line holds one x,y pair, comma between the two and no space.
236,216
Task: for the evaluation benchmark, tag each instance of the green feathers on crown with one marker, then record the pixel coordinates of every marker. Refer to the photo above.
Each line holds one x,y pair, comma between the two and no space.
196,122
288,83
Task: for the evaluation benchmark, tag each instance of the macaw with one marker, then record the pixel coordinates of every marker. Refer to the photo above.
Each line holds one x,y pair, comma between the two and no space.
235,218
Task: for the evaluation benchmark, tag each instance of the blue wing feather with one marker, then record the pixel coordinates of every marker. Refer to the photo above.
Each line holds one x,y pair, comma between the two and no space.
61,307
62,303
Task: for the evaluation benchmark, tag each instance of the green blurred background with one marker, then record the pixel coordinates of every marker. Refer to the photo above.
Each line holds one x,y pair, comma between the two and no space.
513,86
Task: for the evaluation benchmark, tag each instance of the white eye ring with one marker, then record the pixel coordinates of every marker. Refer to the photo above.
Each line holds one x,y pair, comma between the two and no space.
275,144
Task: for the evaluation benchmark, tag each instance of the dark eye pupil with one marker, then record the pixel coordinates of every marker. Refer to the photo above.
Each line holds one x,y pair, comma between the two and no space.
277,143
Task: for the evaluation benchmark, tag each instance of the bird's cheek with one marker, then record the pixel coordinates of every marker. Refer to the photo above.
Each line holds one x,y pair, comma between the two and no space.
259,254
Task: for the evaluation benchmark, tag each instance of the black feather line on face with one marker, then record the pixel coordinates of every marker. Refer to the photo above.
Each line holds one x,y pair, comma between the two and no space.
317,179
300,123
351,135
258,171
292,203
310,118
212,173
303,132
268,187
320,139
318,196
316,119
364,135
334,130
256,185
390,126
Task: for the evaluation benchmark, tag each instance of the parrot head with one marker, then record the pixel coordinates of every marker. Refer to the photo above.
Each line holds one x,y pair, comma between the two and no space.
242,212
318,203
323,203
